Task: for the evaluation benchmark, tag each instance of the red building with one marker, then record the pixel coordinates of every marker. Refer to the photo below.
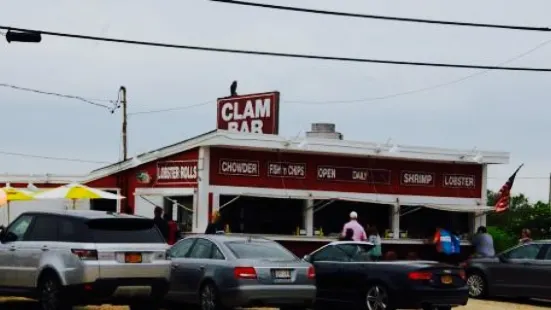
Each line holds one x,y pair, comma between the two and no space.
300,191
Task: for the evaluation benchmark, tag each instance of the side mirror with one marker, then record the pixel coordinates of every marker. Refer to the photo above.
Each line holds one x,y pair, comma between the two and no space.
307,258
9,237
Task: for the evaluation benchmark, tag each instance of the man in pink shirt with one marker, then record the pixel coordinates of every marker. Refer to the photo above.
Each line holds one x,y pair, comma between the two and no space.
359,232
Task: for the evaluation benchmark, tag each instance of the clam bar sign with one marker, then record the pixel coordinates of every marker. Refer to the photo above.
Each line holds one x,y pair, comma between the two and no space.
177,171
255,113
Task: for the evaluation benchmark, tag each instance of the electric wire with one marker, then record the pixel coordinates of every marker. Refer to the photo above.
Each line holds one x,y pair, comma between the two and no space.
382,17
93,102
67,159
171,109
277,54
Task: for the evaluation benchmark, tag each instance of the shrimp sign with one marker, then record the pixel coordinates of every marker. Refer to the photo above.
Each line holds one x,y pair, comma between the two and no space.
254,113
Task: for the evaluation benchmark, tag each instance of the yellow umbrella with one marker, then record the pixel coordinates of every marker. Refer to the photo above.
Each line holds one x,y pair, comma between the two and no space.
76,191
15,194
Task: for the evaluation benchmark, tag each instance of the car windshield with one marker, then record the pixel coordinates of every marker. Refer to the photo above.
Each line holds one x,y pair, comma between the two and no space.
357,252
260,250
124,231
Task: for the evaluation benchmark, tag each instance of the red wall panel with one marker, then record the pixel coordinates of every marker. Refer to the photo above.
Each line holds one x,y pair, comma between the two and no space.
356,174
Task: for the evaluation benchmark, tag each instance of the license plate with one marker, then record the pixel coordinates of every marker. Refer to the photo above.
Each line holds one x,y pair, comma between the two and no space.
282,274
133,258
446,279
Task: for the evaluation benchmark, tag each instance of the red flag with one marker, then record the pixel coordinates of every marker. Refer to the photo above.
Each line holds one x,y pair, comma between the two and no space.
504,195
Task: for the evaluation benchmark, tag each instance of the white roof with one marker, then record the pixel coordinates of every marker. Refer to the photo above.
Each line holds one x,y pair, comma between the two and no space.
297,144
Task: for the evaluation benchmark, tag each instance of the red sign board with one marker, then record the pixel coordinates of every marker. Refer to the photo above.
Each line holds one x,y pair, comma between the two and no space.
239,167
177,171
265,169
459,181
287,170
417,178
254,113
349,174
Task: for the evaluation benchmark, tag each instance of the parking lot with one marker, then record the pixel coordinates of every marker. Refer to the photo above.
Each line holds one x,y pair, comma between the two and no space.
21,304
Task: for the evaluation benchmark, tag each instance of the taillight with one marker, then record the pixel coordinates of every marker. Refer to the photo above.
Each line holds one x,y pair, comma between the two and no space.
244,273
463,274
85,254
311,272
420,276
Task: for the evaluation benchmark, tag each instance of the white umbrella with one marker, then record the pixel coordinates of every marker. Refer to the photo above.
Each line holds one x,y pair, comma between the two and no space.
76,191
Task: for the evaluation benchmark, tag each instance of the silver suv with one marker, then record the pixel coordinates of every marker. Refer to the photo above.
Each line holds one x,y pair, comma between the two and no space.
71,258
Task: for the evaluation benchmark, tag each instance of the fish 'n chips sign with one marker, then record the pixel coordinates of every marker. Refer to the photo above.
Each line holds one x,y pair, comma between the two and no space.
254,113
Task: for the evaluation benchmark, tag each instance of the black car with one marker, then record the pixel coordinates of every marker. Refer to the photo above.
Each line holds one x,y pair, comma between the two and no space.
346,276
523,271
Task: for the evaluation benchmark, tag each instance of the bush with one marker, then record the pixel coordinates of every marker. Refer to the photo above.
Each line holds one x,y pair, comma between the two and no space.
503,240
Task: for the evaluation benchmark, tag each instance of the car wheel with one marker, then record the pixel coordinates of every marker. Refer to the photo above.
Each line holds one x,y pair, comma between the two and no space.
49,294
377,298
477,285
208,298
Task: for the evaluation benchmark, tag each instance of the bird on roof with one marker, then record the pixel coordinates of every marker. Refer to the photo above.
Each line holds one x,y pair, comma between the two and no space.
233,89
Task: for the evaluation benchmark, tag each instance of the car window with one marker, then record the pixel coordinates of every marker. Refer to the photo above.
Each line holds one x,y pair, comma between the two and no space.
548,254
70,230
19,227
44,228
356,252
332,254
181,248
529,251
124,230
216,253
201,249
266,250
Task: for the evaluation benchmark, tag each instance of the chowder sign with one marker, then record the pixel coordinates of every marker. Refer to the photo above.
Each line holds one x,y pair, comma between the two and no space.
177,171
255,113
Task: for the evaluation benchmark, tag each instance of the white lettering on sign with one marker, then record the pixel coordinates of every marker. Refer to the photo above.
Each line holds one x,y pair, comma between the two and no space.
459,181
254,110
177,171
239,167
411,178
327,173
361,175
288,170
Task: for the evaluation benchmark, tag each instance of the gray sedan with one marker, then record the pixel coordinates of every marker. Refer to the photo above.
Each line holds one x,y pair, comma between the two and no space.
221,271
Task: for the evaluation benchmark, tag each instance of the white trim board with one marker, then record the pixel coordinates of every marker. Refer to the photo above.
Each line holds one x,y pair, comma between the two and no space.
173,191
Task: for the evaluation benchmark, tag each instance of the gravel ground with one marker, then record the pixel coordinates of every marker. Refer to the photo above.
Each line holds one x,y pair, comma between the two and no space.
22,304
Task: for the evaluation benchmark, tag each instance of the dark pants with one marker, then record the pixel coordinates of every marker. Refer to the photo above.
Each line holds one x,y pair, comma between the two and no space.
452,259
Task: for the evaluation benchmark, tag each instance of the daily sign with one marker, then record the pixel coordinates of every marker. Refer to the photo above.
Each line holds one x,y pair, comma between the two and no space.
256,113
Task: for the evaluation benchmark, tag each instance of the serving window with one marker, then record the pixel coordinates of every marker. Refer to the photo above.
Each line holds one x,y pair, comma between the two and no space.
330,216
421,222
255,215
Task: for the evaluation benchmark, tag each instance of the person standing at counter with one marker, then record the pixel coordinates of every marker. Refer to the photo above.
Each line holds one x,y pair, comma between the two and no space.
160,222
215,226
443,241
359,232
377,252
483,243
525,236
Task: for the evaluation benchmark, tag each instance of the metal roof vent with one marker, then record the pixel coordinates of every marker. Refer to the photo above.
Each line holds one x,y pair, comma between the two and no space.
324,131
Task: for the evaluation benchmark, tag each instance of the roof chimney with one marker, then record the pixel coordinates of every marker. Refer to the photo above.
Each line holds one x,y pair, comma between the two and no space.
324,131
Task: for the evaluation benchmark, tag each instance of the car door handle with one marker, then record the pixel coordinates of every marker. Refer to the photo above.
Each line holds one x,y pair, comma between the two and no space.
45,249
201,267
12,248
174,266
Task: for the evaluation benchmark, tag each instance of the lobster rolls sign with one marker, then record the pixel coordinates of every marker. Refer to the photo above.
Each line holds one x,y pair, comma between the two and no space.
254,113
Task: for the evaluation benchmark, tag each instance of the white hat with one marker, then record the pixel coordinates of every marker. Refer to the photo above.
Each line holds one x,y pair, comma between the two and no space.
353,215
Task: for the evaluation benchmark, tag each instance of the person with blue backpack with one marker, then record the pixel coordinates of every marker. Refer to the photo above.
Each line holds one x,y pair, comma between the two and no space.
446,245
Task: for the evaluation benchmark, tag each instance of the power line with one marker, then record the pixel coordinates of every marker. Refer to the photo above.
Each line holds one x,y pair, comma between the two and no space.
277,54
426,88
86,100
392,18
53,158
171,109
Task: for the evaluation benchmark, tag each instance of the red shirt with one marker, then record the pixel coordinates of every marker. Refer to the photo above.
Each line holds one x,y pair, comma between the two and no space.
172,231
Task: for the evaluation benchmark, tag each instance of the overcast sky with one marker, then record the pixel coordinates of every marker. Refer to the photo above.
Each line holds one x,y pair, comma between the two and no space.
502,111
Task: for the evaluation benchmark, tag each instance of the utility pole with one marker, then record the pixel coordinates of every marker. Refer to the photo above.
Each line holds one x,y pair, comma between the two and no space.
549,201
124,124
